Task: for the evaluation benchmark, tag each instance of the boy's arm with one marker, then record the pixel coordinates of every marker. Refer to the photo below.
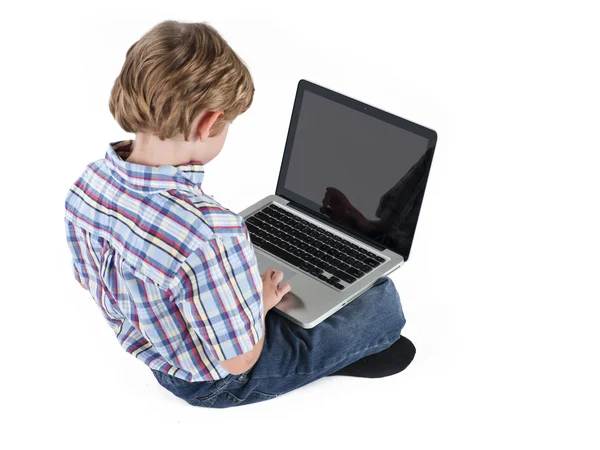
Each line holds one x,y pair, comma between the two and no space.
244,362
273,291
219,292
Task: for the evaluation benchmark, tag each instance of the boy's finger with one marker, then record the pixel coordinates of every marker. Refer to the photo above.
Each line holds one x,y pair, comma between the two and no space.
284,289
277,277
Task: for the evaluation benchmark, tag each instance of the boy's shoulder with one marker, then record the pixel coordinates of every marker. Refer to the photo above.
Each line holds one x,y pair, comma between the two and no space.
164,226
201,207
95,189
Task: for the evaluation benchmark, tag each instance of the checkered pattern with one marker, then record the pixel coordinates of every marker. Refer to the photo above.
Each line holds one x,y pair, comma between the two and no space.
173,272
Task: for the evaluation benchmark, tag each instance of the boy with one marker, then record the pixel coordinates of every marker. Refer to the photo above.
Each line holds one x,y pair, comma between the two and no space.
174,272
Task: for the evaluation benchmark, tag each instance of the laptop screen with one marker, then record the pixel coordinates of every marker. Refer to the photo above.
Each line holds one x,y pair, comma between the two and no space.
363,173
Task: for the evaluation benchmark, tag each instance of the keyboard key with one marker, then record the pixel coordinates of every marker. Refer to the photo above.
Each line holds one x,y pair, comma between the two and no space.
355,272
356,255
329,268
305,266
345,258
304,256
311,259
320,264
344,276
295,250
310,250
347,250
316,271
371,262
339,286
342,266
312,268
322,277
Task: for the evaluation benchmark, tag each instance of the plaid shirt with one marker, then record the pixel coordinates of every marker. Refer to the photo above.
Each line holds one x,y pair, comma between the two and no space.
173,272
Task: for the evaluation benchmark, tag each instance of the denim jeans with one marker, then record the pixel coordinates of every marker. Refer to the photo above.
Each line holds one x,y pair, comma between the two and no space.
293,356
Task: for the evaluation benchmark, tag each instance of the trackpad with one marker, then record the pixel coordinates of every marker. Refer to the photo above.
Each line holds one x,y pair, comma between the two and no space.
290,301
265,262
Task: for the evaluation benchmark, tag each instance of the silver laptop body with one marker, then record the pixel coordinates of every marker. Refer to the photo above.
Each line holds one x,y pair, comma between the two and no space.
319,287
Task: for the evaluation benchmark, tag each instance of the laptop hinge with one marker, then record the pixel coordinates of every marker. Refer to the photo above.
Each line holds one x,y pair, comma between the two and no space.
332,224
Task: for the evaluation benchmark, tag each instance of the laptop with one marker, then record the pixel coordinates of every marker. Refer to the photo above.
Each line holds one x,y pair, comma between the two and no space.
346,205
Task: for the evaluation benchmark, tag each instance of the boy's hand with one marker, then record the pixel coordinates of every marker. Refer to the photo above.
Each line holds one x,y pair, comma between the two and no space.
272,294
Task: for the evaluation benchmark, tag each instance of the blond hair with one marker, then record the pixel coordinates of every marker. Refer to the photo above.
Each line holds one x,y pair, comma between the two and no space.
173,73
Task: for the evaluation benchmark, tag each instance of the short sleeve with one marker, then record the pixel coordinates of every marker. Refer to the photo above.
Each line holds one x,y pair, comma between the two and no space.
219,292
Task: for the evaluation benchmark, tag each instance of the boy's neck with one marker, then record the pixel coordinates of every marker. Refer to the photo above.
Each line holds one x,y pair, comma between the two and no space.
149,150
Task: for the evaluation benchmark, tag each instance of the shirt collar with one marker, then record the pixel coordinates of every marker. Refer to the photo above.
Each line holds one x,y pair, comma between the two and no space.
139,177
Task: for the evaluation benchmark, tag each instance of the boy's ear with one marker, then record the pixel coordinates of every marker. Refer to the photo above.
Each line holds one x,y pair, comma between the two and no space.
207,120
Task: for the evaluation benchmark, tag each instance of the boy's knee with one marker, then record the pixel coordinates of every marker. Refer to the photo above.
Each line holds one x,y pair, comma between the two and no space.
392,304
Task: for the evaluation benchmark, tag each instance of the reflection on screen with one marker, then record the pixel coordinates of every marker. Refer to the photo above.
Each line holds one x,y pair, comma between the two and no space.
364,173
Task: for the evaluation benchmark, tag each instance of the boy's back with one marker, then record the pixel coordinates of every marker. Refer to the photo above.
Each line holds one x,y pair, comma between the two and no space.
144,241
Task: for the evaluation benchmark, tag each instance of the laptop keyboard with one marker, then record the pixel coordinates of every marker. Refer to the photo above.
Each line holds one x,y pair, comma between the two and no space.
309,247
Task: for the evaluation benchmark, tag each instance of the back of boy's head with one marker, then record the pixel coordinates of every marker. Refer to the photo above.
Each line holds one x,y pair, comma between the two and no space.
173,73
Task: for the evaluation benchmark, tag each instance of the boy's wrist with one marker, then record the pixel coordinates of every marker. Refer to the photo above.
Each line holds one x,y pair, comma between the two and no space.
267,305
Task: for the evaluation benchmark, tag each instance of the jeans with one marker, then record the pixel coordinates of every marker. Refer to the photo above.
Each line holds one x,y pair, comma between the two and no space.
293,356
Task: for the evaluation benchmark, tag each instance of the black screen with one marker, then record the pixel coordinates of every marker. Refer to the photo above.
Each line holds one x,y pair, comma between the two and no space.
363,173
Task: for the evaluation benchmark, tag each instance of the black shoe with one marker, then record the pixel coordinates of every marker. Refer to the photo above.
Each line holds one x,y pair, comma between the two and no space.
390,361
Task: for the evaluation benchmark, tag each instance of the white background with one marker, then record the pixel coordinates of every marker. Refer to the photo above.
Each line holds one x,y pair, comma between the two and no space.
501,291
